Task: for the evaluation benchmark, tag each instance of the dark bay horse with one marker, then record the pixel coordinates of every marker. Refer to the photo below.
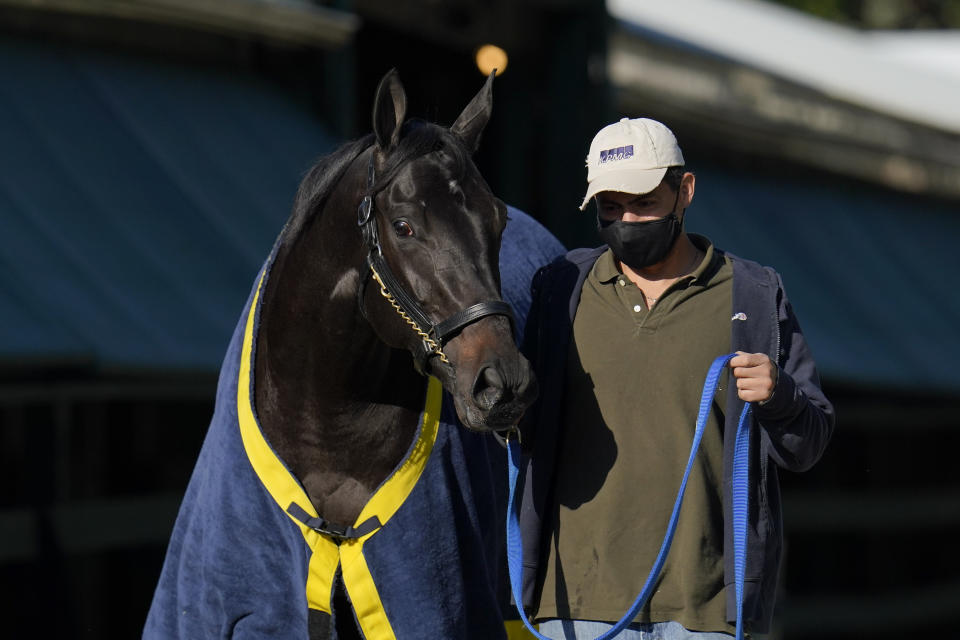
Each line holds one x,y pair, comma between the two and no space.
320,508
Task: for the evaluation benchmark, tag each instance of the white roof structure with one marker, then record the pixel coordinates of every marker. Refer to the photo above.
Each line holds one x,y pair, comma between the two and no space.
935,51
914,76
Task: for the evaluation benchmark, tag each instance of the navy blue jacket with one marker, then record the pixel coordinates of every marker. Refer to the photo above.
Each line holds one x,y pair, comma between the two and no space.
794,426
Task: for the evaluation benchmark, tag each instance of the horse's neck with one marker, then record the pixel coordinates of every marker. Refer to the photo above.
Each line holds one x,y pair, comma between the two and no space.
340,407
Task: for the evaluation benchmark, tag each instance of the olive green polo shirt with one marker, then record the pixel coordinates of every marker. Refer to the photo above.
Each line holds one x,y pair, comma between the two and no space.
633,383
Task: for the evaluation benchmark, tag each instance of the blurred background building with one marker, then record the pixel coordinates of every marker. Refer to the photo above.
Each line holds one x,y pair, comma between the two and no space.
150,150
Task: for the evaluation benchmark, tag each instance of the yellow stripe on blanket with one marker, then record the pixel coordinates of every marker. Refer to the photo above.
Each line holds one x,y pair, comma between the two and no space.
516,630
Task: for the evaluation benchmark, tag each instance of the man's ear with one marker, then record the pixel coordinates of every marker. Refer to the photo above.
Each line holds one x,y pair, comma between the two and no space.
687,186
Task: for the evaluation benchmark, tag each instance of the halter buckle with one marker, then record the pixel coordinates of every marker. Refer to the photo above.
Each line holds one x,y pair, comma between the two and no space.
363,212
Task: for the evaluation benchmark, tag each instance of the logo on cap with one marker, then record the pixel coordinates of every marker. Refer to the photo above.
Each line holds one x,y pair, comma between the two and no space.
617,153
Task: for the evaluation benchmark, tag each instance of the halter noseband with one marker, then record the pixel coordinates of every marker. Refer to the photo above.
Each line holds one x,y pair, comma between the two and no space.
433,335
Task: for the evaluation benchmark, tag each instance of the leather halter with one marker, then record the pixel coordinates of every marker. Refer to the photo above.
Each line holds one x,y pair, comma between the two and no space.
434,335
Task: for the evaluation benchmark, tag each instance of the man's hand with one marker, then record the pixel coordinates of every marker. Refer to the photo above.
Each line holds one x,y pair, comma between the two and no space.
756,376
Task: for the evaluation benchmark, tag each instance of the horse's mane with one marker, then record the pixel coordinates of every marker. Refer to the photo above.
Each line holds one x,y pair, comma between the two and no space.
417,138
318,183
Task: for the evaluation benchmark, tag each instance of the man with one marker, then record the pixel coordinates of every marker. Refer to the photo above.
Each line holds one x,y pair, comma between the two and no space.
621,338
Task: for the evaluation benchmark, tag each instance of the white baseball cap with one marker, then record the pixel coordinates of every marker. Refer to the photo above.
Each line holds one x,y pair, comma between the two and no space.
630,156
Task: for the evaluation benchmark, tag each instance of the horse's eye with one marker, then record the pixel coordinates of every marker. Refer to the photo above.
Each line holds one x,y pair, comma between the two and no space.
402,228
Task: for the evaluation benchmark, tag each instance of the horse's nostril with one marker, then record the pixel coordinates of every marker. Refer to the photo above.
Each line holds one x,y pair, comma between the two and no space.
488,388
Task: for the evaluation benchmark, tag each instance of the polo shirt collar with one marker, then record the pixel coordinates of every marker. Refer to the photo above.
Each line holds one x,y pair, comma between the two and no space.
703,270
605,268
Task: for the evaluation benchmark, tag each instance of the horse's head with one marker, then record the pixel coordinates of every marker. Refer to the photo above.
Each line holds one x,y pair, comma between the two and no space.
436,289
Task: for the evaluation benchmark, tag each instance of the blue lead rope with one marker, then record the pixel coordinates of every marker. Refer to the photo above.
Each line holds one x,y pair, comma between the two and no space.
740,498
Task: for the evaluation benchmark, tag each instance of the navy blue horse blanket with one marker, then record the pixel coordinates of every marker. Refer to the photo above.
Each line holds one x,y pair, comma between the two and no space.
239,566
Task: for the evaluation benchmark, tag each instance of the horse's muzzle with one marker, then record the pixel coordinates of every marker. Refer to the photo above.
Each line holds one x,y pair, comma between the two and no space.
498,396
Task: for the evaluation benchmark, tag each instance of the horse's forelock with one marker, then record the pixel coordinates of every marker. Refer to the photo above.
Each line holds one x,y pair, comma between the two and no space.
419,138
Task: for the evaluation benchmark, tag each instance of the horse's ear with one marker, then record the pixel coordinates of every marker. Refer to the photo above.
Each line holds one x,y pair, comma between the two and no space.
389,110
475,116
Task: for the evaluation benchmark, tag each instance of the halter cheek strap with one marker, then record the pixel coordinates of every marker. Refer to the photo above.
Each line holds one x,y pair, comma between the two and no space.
432,335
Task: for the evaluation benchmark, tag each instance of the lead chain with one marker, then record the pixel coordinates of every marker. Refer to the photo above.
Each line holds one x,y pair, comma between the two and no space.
430,342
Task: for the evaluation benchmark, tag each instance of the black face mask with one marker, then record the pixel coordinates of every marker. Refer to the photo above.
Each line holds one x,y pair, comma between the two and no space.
641,244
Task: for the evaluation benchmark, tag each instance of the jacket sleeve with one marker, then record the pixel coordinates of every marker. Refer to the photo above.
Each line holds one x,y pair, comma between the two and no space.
798,419
530,347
